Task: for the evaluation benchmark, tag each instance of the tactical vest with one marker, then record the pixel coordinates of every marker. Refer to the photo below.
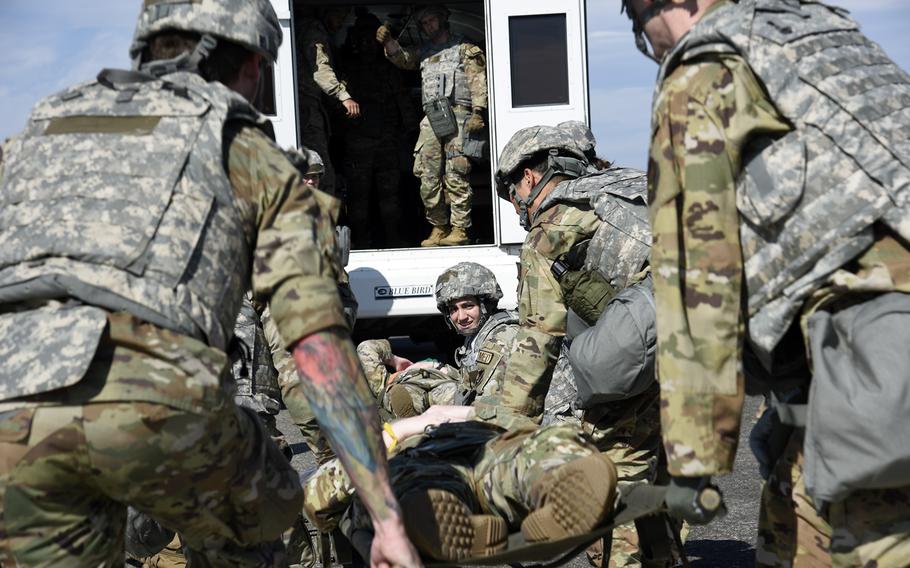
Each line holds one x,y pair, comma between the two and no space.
117,196
251,358
808,200
442,73
621,246
476,357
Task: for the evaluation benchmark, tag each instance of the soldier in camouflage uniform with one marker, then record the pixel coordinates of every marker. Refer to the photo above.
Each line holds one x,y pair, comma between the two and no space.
116,310
317,78
467,295
778,194
466,485
588,238
454,87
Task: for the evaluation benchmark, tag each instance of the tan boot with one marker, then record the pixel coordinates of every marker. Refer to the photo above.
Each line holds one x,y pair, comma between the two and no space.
445,528
574,498
436,235
456,237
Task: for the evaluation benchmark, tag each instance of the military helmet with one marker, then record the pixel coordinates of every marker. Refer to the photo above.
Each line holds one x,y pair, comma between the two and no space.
565,158
467,279
581,133
307,161
638,22
252,24
437,10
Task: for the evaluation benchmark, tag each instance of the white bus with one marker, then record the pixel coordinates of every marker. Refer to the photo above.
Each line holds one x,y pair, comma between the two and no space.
536,74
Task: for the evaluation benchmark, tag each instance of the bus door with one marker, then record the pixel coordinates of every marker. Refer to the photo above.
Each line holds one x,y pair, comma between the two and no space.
537,54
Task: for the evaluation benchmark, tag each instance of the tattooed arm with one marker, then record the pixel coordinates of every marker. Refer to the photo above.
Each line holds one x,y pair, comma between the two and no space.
340,398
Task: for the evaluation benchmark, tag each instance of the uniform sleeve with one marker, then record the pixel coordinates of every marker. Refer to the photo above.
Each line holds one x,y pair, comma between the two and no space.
406,58
281,357
705,115
295,267
325,76
475,69
542,325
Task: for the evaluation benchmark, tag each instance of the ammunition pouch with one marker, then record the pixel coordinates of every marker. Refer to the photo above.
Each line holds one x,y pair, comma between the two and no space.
587,293
441,116
474,148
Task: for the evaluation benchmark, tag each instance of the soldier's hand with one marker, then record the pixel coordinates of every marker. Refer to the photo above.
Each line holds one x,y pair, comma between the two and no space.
694,500
352,108
383,35
391,546
475,123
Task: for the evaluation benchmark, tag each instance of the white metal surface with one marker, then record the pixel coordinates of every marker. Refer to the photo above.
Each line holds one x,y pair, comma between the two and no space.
285,122
412,273
505,119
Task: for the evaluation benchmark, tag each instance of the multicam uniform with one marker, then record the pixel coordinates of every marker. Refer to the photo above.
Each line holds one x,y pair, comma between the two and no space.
317,78
626,431
459,68
498,474
709,249
147,418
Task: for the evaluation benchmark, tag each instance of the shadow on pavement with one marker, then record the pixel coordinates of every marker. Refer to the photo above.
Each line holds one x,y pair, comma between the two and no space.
720,554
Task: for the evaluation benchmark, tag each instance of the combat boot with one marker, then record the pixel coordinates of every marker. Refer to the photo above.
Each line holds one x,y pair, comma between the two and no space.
573,499
444,527
436,235
456,237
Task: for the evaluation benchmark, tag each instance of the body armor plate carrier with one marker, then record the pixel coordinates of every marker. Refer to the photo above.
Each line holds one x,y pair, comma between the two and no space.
621,246
442,73
117,196
808,200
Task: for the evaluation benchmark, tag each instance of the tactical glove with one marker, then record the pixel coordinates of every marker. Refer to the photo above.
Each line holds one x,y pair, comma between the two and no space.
383,34
475,123
144,535
694,500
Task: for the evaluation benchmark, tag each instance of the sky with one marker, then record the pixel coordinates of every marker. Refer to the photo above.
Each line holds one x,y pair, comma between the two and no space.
47,45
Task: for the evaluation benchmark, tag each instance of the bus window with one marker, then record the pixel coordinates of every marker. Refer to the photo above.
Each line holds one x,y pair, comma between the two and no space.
538,48
265,98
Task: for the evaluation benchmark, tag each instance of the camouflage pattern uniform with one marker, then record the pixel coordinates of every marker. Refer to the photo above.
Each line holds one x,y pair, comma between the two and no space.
480,362
627,431
442,165
706,113
127,411
496,480
372,142
316,78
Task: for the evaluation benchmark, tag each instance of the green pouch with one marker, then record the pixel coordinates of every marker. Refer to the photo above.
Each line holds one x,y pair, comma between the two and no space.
587,293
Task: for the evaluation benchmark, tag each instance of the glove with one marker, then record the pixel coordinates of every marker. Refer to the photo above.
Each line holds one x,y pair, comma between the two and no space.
475,123
694,500
383,34
767,440
144,535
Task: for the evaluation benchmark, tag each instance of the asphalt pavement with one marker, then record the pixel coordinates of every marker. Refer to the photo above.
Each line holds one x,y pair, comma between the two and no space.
728,542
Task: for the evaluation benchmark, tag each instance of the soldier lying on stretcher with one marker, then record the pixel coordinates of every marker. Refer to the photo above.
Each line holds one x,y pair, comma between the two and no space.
464,486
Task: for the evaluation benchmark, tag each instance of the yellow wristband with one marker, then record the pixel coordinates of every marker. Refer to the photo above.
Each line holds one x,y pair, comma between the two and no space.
391,432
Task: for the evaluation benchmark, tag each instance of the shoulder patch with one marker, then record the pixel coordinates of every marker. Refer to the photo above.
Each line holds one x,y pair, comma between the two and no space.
472,51
484,357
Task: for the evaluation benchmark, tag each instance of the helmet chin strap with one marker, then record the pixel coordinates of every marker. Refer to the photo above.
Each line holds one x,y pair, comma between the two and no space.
638,24
186,61
556,165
